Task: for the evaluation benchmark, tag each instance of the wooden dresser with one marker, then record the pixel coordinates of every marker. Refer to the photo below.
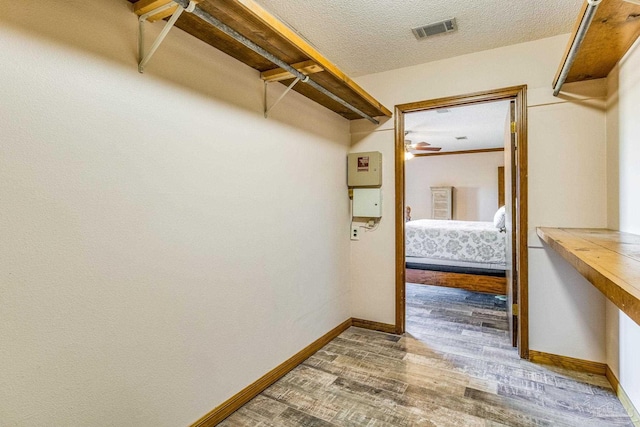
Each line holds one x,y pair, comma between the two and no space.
442,203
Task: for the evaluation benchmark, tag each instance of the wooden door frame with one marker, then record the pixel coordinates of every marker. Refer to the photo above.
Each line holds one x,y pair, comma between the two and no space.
519,95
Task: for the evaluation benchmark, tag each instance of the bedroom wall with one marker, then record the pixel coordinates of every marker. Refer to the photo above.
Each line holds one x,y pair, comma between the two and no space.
163,245
623,177
567,185
473,176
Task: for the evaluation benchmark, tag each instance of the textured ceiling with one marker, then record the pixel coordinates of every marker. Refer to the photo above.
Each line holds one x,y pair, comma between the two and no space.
482,124
368,36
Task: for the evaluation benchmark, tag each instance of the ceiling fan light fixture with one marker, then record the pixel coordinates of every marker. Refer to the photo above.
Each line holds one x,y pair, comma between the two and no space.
408,155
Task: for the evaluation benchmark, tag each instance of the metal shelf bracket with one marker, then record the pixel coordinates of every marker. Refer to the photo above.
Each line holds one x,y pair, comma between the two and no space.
143,58
286,91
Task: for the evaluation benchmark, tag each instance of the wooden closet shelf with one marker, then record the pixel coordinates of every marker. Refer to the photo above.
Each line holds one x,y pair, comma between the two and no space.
609,259
615,27
253,22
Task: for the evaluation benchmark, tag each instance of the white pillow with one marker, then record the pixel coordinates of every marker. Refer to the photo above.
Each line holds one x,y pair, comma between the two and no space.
499,219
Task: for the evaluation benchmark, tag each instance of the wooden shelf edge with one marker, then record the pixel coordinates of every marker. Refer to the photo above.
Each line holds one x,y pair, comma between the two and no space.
614,29
574,32
613,287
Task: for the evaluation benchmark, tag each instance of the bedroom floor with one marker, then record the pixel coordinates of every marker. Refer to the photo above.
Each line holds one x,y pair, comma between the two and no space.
453,367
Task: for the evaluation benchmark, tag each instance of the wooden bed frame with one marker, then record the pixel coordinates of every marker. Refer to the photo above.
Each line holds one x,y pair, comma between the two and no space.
470,282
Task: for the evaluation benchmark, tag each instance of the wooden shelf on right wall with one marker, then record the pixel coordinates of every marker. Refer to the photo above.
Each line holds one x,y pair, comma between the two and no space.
609,259
615,27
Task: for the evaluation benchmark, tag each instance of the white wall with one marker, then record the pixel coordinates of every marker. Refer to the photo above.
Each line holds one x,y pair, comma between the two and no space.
371,256
623,158
163,245
567,163
473,176
567,185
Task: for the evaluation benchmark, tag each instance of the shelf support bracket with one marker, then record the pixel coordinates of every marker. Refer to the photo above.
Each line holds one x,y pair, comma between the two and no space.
286,91
143,58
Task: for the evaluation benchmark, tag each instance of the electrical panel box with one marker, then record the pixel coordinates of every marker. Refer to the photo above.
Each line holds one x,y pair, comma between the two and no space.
364,169
367,202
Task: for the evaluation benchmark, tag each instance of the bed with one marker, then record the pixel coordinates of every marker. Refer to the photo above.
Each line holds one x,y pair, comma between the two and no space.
462,254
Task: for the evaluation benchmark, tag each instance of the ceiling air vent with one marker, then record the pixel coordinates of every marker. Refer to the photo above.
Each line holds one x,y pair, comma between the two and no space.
425,31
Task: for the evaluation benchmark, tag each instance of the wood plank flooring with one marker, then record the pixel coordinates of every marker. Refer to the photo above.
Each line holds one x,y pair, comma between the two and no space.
453,367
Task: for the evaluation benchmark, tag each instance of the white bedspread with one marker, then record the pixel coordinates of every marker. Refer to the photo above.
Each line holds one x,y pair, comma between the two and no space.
473,241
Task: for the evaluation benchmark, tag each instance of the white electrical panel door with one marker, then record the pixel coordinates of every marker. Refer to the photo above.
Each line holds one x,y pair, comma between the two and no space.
367,202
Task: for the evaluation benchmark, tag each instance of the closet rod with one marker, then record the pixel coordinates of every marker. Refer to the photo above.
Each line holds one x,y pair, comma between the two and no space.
205,16
577,42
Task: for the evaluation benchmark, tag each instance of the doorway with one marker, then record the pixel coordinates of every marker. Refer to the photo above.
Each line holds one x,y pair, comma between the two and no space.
515,169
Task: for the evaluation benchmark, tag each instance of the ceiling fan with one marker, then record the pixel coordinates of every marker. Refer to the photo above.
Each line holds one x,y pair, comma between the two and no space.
418,146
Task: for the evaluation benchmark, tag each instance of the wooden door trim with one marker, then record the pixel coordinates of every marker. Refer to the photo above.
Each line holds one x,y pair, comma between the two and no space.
519,95
445,153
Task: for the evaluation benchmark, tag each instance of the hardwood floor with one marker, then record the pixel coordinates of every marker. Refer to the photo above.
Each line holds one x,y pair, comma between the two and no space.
453,367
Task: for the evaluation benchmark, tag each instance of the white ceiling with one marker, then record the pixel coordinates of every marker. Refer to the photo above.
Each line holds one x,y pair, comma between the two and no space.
482,124
368,36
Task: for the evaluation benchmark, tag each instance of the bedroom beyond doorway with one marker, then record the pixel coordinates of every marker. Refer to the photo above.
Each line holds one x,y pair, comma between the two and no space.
457,178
